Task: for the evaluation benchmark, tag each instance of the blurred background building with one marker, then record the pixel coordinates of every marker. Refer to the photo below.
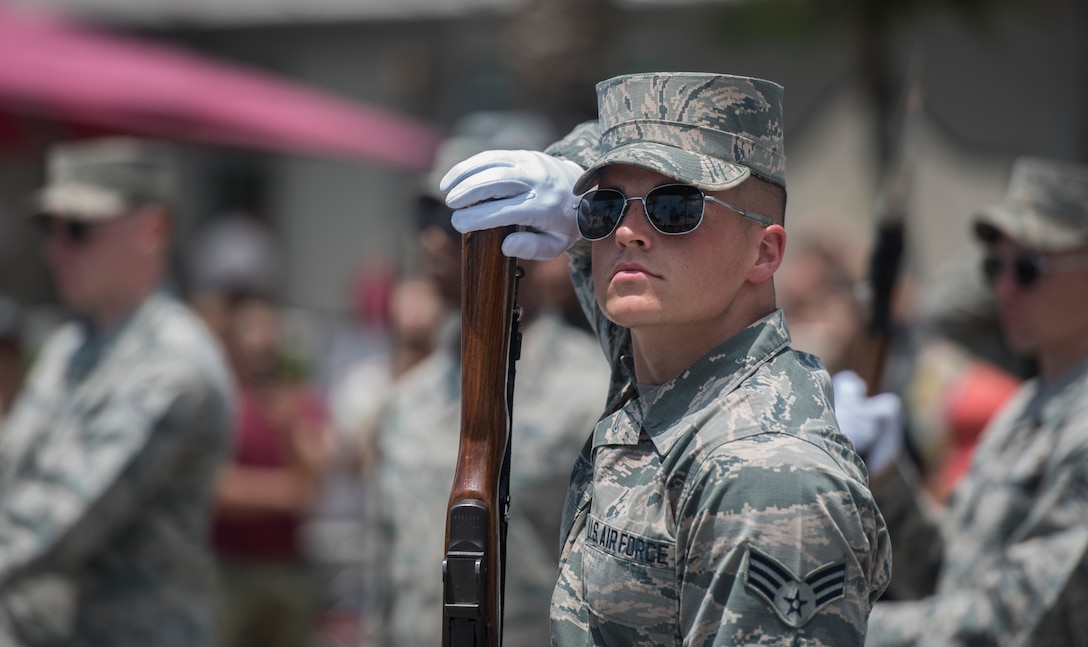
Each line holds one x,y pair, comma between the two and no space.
998,78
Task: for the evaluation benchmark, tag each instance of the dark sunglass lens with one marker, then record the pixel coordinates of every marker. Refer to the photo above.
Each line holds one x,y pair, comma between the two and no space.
599,212
991,268
675,209
75,232
78,231
1027,270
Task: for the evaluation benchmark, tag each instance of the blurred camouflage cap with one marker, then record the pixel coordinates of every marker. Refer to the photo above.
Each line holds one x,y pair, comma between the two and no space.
1045,206
487,130
710,130
101,179
475,133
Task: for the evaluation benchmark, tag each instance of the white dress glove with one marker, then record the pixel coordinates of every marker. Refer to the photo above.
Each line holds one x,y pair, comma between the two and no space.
527,188
873,424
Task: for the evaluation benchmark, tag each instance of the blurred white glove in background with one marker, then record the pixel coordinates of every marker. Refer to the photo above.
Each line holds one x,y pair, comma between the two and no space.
526,188
874,425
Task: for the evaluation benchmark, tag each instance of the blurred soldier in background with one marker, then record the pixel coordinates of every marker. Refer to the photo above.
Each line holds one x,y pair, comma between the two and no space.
961,373
109,459
559,391
958,371
1007,562
11,354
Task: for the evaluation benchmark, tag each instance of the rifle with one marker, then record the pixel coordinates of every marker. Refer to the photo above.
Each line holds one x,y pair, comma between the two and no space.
888,248
473,571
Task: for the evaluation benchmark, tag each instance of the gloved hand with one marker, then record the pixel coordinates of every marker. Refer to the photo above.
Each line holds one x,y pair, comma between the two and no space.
874,425
527,188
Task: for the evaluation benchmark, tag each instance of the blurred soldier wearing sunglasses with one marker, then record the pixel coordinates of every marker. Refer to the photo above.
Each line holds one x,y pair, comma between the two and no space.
1006,561
716,502
108,460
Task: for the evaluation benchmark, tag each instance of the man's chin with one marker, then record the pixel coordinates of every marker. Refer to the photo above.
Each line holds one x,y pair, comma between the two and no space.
633,312
73,300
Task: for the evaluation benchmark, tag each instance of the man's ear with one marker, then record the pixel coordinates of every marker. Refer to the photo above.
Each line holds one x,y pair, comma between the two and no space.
772,246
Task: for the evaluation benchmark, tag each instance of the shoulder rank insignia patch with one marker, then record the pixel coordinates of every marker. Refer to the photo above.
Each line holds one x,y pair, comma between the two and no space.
794,599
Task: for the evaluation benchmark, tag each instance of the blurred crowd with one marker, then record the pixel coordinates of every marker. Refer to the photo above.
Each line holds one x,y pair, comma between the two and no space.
322,496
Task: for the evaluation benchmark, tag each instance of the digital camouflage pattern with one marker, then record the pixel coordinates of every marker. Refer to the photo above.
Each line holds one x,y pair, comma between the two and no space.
1045,206
710,130
725,508
107,468
1007,562
559,392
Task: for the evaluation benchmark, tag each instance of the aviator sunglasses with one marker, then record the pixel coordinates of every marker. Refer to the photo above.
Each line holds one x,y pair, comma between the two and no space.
1027,268
76,232
672,209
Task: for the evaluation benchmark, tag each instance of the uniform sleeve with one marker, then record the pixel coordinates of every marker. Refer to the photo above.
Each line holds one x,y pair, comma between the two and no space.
1024,585
74,496
917,538
582,146
771,554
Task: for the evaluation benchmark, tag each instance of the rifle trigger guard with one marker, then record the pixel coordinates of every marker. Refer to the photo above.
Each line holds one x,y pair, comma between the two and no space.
464,576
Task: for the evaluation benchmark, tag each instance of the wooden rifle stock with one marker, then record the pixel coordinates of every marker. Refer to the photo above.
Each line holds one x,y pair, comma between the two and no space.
871,353
473,569
889,245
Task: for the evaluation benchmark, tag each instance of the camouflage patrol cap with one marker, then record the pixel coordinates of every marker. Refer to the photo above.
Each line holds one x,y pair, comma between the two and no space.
710,130
100,179
1045,206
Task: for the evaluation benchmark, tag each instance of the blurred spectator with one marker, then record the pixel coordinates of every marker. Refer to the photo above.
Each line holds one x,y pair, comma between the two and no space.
415,314
559,391
233,253
348,533
109,457
11,353
267,594
817,291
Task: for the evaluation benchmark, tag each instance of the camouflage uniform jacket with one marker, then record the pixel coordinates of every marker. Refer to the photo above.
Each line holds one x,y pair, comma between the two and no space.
559,392
726,508
107,468
1007,563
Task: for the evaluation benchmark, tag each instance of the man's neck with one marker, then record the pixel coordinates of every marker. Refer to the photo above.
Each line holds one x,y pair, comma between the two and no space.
661,355
1054,366
110,316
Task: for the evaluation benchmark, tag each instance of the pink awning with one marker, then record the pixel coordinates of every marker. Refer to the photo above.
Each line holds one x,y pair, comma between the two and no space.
95,81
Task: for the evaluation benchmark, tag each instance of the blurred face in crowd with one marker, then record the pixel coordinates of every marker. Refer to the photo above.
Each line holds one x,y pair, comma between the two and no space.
254,339
101,268
441,259
1046,317
816,296
416,313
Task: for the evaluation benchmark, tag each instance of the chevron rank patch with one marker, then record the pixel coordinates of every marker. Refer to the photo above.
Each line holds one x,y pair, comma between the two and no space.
794,599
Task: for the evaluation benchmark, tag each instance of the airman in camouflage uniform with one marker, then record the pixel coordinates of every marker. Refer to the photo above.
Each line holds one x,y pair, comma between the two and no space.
717,503
108,459
1006,563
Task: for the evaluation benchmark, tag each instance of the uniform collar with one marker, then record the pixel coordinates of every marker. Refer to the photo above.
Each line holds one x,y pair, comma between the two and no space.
720,371
1052,401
